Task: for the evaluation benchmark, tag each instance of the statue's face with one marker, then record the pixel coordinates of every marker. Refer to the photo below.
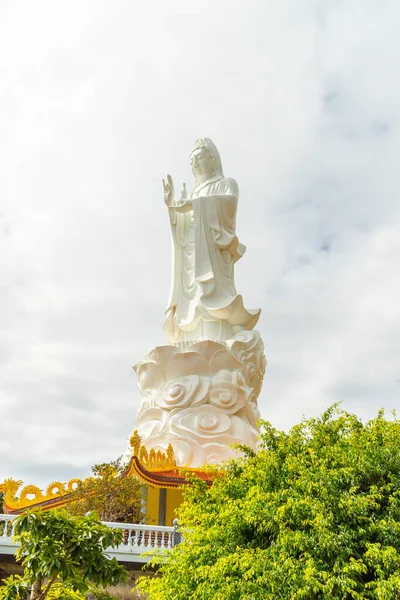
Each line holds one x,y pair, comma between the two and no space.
202,165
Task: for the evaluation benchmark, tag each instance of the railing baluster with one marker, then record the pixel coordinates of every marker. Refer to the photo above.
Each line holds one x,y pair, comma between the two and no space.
132,538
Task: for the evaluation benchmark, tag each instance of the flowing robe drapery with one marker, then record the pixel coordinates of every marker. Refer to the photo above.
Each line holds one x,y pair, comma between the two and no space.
205,248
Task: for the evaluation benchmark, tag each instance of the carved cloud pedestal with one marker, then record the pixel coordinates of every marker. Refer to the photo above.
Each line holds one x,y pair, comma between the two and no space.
201,398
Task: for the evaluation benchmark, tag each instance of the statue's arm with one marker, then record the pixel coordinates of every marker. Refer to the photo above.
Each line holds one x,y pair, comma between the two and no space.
226,238
169,199
227,208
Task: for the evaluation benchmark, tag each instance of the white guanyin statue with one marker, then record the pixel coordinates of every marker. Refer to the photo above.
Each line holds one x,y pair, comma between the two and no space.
204,303
200,390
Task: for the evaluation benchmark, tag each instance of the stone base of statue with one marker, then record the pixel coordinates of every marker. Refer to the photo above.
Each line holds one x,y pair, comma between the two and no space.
201,397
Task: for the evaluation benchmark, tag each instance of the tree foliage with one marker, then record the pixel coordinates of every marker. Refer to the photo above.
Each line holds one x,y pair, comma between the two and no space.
62,592
62,556
314,515
115,497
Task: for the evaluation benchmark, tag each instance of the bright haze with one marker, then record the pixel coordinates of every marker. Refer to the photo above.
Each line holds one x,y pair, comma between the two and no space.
99,100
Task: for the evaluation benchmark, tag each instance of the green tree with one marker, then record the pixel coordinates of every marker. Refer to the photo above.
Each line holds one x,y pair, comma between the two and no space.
62,556
113,495
314,515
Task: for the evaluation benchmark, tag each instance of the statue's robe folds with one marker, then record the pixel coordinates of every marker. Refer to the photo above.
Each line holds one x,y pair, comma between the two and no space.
204,302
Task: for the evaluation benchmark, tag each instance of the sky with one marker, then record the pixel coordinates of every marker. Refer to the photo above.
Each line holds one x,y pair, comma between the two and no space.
99,100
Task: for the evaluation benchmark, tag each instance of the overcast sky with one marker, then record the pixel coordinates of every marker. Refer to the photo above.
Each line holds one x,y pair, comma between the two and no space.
98,101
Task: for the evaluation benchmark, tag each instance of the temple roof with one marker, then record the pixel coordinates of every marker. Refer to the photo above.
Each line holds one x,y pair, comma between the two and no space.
158,469
175,477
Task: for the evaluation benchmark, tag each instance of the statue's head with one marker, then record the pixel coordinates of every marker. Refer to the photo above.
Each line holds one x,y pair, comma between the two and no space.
205,160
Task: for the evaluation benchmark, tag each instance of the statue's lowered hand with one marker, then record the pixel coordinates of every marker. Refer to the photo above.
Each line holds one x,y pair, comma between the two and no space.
168,191
183,206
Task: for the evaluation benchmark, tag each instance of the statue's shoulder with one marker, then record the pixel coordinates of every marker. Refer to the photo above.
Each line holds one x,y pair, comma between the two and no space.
228,187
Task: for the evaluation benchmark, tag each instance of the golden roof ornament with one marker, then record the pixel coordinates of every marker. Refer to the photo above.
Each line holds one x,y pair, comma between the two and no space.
153,460
31,495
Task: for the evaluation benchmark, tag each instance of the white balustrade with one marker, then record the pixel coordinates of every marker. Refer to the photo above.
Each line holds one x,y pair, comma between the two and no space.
138,539
7,545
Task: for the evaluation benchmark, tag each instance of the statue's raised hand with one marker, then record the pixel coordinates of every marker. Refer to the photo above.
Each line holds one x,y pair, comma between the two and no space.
168,191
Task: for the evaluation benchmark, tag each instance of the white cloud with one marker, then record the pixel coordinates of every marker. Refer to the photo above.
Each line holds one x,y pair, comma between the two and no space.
98,100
